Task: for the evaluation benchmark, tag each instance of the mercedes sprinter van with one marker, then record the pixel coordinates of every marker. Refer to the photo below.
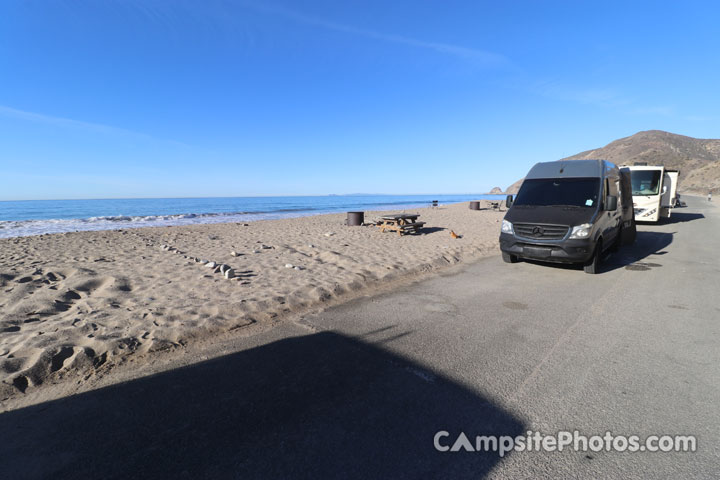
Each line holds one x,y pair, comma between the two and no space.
569,212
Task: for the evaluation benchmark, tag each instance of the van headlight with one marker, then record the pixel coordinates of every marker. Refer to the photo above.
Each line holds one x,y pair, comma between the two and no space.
581,231
507,227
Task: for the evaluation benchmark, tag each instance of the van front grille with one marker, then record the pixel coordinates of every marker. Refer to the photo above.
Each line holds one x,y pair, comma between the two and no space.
540,232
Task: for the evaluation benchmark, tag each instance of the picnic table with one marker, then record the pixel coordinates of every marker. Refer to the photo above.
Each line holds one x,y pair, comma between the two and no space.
401,223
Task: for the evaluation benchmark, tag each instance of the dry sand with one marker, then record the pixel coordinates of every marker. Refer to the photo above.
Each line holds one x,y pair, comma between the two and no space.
74,305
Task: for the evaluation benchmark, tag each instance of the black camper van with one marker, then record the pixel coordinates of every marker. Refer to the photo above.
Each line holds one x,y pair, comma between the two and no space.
569,212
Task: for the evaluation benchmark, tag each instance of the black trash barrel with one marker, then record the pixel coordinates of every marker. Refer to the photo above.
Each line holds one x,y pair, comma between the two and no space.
474,205
355,219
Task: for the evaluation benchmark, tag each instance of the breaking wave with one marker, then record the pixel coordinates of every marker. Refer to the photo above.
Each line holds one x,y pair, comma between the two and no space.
25,228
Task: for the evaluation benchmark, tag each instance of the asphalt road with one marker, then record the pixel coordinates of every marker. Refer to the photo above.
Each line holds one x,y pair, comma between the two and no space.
633,350
360,390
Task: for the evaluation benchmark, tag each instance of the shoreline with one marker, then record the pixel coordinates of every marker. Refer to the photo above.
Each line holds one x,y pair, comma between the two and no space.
67,216
76,305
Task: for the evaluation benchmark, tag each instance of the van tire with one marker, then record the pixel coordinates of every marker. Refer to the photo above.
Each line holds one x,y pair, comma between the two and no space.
618,240
593,265
629,234
507,258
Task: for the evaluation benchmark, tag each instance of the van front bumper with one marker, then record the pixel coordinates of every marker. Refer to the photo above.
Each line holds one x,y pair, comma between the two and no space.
563,251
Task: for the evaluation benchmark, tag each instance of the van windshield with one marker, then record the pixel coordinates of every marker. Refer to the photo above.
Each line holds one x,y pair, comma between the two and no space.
574,192
645,182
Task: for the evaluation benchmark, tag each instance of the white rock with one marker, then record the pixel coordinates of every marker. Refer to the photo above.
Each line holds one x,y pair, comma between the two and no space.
229,273
329,234
299,268
288,265
233,253
311,246
256,251
224,268
210,264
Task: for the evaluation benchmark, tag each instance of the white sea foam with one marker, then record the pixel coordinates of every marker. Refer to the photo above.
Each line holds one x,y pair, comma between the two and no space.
25,228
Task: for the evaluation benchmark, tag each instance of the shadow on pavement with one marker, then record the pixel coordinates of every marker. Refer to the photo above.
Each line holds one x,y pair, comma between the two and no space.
679,217
317,406
646,244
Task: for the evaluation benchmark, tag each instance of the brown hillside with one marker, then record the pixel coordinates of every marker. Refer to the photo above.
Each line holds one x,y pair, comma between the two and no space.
515,187
697,159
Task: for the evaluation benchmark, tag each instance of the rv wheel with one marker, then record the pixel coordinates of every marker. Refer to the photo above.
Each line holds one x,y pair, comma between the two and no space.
593,266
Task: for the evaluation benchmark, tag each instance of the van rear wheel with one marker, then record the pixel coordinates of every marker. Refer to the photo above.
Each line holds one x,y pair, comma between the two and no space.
507,258
593,265
618,240
629,234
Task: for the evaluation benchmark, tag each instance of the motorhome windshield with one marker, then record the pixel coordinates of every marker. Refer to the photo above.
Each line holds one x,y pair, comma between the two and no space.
573,192
645,182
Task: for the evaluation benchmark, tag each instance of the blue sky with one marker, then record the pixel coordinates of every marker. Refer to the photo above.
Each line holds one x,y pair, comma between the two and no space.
151,98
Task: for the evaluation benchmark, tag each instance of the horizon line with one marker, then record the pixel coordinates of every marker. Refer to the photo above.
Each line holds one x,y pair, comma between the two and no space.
250,196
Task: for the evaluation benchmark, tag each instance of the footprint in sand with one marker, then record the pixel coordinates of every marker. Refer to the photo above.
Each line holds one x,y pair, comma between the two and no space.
52,277
58,360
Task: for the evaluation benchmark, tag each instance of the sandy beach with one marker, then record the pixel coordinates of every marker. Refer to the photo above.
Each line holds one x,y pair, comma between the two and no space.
76,304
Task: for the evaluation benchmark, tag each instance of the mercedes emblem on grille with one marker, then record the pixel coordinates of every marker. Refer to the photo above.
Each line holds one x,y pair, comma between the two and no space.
537,231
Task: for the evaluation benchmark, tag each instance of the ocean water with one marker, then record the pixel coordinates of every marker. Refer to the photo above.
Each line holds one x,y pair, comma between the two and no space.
35,217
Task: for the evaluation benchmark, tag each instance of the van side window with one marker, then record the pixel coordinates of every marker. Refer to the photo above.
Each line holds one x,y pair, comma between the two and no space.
610,187
613,190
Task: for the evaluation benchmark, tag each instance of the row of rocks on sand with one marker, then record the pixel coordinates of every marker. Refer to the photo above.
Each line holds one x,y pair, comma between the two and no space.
221,268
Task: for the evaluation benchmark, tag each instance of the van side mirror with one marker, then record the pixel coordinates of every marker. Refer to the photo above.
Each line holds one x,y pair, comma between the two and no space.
611,203
664,190
508,201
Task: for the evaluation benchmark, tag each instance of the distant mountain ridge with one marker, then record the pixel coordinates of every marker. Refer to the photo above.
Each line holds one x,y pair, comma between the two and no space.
697,159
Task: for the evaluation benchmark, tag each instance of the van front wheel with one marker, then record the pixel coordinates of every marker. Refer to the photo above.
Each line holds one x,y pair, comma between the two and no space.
507,258
593,265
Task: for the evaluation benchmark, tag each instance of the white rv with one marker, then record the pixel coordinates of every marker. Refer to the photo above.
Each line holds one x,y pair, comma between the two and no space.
654,190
